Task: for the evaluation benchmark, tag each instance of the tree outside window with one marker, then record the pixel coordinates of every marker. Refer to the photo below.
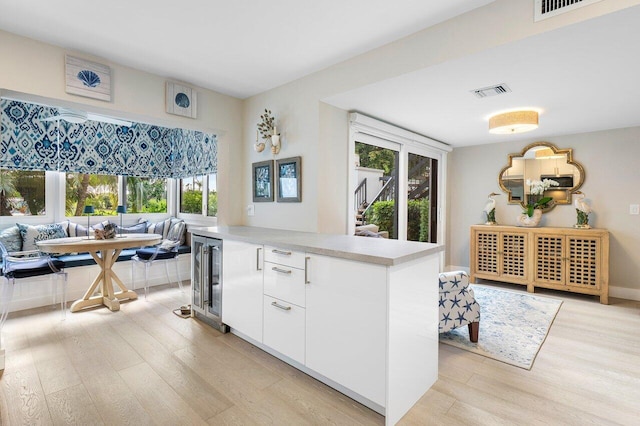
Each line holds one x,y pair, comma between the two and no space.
191,195
212,199
146,195
22,193
99,191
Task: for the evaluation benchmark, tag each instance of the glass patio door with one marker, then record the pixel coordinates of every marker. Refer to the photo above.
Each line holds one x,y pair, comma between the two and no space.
422,198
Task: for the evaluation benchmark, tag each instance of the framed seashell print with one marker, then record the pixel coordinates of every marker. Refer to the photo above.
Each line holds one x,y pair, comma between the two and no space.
181,100
87,78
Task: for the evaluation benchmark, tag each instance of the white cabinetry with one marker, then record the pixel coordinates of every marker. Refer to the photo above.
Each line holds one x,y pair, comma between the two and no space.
284,302
242,294
346,324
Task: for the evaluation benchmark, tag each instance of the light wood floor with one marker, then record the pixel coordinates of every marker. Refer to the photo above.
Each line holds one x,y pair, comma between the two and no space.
144,365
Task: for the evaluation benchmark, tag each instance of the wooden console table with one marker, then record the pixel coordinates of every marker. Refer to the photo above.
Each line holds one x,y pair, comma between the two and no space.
568,259
105,253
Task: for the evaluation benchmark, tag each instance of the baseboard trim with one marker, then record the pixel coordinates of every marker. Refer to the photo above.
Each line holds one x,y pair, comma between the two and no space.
625,293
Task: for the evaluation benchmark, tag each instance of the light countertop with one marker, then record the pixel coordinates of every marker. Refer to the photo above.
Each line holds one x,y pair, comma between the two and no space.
362,249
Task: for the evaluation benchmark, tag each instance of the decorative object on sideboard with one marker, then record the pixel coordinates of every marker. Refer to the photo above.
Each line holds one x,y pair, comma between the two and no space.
536,202
262,178
88,210
121,210
539,161
289,178
181,100
582,209
269,132
490,210
106,233
513,122
86,78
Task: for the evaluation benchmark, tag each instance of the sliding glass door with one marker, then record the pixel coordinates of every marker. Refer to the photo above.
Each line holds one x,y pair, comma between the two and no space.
395,190
422,198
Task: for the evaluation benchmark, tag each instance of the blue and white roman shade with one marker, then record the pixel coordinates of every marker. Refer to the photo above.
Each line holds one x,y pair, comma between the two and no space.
29,143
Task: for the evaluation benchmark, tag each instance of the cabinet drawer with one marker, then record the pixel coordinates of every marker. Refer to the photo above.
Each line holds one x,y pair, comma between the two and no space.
295,259
284,328
284,282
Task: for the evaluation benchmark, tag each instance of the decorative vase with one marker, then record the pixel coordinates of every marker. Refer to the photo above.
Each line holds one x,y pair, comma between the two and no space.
524,220
259,147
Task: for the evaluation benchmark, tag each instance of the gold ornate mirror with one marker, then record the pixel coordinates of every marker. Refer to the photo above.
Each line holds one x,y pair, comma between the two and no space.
536,162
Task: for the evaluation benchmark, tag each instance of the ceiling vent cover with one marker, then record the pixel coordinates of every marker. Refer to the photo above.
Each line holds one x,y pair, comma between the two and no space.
485,92
544,9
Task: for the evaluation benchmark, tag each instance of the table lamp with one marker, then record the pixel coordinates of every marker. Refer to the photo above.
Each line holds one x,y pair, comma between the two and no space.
88,210
121,210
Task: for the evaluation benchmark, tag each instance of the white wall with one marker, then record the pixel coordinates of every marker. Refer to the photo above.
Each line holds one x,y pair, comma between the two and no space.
610,160
318,133
36,68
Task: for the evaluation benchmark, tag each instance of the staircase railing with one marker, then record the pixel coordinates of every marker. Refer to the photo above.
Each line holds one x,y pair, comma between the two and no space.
386,193
361,194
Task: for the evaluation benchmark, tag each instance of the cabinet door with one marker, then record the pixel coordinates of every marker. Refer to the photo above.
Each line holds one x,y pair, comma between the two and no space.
242,290
346,323
583,254
197,272
513,250
486,252
549,259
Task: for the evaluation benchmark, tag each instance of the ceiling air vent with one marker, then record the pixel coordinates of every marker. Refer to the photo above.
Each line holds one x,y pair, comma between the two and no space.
485,92
544,9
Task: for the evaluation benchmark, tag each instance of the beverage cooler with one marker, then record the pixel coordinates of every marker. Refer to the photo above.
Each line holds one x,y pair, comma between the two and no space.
206,281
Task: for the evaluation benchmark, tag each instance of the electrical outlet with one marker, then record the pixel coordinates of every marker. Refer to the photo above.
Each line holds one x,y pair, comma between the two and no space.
251,210
634,209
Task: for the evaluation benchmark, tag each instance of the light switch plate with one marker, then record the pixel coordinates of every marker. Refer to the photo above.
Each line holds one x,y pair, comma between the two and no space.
251,210
634,209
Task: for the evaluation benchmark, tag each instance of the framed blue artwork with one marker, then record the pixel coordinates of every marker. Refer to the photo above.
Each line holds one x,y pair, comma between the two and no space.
181,100
288,175
87,78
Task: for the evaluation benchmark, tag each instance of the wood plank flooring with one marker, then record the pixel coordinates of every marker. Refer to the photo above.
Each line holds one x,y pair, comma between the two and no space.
144,365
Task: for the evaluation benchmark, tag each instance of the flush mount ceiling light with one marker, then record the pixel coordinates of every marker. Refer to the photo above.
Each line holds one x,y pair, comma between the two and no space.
513,122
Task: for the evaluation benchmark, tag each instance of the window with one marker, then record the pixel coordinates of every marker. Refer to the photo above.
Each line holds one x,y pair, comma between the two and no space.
212,199
99,191
146,195
191,195
192,191
22,193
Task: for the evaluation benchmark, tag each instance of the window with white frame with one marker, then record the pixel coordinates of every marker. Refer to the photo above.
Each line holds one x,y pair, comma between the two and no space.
22,193
198,195
145,195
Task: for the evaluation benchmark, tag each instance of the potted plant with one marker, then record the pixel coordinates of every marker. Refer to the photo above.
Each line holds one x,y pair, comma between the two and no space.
536,201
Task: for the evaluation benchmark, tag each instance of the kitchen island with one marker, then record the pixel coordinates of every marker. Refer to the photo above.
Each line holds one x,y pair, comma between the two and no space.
359,314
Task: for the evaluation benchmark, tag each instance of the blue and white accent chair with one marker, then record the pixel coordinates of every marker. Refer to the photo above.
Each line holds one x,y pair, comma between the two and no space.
457,305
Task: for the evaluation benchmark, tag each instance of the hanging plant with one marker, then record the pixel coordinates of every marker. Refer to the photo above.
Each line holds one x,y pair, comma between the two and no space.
265,127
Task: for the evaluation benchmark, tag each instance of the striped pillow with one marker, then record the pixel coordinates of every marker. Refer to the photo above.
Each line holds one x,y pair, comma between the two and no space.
160,228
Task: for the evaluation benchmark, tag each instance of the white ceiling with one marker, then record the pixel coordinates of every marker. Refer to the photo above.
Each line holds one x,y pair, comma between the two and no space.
237,47
582,78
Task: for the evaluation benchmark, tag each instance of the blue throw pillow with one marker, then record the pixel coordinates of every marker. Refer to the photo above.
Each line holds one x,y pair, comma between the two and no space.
32,234
12,239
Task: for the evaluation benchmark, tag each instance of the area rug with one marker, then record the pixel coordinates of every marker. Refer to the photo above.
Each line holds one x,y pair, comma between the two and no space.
513,325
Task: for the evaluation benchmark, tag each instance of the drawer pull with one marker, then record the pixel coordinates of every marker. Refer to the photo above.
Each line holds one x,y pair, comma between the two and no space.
306,270
286,253
282,271
277,305
258,268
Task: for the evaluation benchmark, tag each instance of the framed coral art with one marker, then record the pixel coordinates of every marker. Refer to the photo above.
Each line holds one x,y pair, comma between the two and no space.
88,79
181,100
262,178
289,180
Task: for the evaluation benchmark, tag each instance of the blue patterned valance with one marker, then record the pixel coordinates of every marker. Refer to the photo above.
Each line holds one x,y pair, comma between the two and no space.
29,143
